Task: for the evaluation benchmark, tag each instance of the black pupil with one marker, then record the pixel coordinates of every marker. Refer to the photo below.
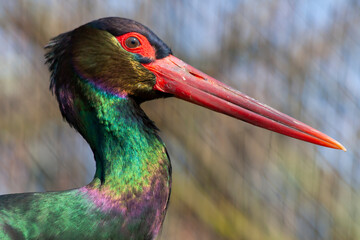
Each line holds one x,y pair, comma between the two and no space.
132,42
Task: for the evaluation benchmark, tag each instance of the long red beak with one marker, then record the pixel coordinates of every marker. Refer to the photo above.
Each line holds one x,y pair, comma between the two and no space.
184,81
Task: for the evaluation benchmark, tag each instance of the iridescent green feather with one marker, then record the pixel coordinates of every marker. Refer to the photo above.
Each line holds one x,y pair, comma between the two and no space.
99,86
131,184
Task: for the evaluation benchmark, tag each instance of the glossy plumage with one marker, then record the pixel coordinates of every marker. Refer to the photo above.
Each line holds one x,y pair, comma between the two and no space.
99,78
129,194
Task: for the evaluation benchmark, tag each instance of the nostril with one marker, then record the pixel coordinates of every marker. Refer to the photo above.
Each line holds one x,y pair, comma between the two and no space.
197,75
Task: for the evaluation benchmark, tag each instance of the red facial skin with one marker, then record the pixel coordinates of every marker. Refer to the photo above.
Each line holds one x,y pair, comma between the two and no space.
186,82
144,49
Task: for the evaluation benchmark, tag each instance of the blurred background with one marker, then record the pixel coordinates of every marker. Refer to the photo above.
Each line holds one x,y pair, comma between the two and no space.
231,180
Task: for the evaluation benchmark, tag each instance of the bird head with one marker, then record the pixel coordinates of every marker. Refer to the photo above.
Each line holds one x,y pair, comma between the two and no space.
124,58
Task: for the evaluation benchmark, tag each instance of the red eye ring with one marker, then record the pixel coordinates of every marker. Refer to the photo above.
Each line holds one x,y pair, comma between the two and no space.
135,42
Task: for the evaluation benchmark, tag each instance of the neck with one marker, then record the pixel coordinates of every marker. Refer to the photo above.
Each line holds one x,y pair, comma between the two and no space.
130,157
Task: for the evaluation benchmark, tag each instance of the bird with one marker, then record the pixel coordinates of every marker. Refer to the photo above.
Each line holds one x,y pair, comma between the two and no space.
100,73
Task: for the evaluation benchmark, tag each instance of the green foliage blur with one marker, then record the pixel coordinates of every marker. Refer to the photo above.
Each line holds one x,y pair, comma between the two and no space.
231,180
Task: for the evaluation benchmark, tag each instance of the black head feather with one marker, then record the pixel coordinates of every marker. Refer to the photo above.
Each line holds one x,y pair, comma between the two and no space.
90,51
119,26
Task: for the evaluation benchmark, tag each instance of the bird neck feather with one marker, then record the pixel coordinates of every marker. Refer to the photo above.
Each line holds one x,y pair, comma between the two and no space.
128,152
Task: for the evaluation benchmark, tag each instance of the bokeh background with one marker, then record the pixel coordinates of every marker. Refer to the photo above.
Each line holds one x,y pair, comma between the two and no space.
231,180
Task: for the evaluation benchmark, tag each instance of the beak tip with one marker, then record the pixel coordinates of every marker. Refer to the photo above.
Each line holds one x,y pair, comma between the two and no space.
343,148
339,146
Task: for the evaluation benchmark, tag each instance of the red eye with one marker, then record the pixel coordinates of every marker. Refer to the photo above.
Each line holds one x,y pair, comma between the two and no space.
137,43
